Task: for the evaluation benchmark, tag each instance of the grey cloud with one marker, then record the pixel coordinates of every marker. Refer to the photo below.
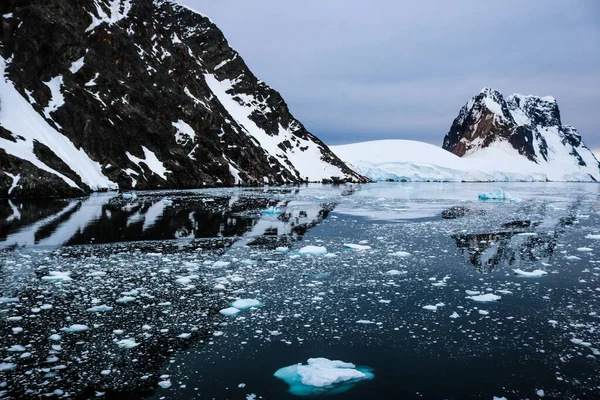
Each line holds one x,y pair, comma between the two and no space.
358,70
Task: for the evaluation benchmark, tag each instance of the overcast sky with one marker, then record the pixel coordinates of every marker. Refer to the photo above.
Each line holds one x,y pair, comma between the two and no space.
363,70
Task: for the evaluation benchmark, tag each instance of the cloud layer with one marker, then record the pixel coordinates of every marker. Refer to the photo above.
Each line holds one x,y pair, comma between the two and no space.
356,70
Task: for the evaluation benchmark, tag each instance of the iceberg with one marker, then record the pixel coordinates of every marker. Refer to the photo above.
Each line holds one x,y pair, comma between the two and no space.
533,274
244,304
313,250
485,298
322,376
498,195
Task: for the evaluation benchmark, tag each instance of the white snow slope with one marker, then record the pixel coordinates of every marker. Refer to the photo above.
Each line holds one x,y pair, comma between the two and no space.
409,160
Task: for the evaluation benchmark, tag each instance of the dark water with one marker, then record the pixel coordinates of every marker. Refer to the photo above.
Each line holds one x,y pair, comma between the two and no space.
179,264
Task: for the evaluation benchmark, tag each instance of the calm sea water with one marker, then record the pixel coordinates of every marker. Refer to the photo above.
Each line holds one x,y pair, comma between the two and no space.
119,297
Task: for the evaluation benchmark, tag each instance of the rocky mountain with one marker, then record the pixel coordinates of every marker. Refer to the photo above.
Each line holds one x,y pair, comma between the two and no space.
144,94
528,125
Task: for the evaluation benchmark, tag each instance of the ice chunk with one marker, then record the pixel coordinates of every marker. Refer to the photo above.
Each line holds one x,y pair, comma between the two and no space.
220,264
472,292
7,366
485,298
164,384
498,195
127,343
57,276
357,247
533,274
314,250
17,348
394,272
125,299
454,315
400,254
429,307
102,308
243,304
594,237
8,300
321,375
75,328
540,393
229,312
585,249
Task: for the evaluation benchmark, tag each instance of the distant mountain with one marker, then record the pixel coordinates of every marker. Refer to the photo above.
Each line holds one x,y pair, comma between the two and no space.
521,139
529,125
144,94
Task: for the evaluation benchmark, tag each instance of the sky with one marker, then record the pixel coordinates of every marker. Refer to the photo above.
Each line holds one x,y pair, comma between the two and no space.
363,70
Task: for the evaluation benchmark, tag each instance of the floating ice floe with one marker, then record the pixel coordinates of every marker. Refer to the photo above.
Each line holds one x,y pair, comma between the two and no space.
186,280
127,343
7,366
281,249
8,300
57,276
498,195
102,308
230,311
75,328
167,202
533,274
164,384
357,247
220,264
394,272
454,315
96,273
472,292
400,254
313,250
585,249
594,237
322,376
244,304
126,299
485,298
128,196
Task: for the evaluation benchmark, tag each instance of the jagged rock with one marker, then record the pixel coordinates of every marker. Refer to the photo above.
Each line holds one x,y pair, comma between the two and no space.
141,94
531,125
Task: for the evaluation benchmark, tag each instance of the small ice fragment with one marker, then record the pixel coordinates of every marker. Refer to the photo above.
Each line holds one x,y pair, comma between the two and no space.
281,249
594,237
57,276
55,337
454,315
220,264
272,211
102,308
394,272
430,307
167,202
533,274
8,300
399,254
364,321
230,311
127,343
164,384
125,299
540,392
243,304
585,249
313,250
484,298
7,366
472,292
16,348
184,335
75,328
357,247
483,312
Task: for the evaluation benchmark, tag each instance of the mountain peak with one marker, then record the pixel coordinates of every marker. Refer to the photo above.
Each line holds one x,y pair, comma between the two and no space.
530,125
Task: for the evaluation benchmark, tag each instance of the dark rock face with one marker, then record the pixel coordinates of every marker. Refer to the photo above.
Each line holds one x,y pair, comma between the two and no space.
148,95
529,124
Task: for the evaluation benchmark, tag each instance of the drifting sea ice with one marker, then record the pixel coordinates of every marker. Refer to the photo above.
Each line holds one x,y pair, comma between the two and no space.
533,274
313,250
244,304
321,376
127,343
485,298
75,328
499,195
357,247
57,276
230,311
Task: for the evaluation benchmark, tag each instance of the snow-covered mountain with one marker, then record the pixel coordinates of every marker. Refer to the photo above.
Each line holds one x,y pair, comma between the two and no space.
139,94
521,139
529,126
